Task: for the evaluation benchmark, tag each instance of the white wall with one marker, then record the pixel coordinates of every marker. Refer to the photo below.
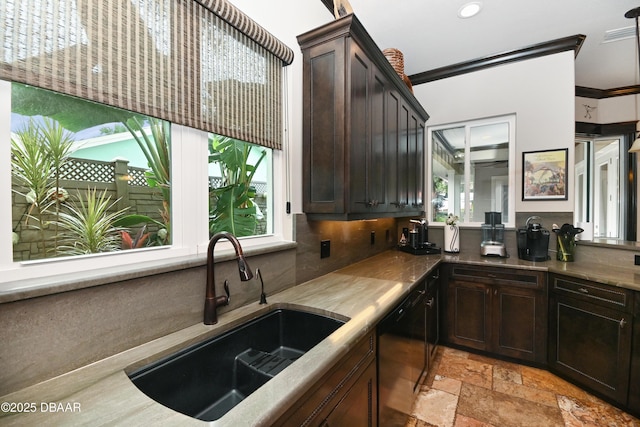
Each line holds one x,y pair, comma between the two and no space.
540,91
608,110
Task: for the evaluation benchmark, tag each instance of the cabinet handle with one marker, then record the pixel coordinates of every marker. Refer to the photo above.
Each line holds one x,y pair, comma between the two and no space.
430,303
583,290
370,203
622,323
495,292
493,276
488,291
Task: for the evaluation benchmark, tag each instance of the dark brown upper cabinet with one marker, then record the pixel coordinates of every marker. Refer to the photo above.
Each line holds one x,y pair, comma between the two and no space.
363,130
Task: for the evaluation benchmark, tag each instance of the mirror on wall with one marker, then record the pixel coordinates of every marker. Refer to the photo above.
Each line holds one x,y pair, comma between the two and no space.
471,169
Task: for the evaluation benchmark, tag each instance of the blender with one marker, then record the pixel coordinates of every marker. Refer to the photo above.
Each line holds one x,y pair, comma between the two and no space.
493,236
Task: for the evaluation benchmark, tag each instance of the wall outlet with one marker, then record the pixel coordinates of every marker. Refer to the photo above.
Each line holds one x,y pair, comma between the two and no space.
373,237
325,248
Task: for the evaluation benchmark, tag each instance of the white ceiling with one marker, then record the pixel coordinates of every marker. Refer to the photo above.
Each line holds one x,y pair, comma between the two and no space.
430,34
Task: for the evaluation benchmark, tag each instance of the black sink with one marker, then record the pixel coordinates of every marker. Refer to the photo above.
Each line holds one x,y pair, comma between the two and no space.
206,380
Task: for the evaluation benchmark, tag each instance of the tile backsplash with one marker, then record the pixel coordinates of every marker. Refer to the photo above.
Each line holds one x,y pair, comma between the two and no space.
351,242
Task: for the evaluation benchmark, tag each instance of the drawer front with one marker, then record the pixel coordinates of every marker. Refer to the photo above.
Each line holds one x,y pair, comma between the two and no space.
596,293
499,276
319,401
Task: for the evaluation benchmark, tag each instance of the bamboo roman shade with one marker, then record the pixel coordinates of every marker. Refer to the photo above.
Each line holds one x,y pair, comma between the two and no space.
204,64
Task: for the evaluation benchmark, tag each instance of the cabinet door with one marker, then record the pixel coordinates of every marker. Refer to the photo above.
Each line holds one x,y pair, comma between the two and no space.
421,167
392,148
358,129
323,122
467,314
412,160
367,160
498,310
590,344
403,157
519,323
359,405
377,171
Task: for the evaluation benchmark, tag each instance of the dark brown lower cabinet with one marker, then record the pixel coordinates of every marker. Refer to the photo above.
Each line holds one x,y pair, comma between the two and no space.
357,408
498,310
634,378
590,335
346,395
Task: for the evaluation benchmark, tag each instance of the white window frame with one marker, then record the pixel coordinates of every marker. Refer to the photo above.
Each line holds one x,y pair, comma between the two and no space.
189,199
468,124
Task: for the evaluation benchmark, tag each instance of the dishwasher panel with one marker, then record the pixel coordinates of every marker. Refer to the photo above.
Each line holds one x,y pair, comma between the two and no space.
401,358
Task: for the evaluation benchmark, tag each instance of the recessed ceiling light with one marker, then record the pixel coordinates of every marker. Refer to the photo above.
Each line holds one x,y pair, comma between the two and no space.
469,9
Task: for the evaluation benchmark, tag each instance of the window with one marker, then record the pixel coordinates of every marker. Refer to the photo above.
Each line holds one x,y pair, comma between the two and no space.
239,187
104,187
148,219
472,170
198,67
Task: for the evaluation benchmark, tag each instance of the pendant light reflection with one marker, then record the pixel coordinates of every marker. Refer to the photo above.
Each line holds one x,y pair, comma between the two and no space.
633,14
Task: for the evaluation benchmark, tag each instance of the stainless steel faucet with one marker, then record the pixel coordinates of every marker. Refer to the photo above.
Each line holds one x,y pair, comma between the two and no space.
211,302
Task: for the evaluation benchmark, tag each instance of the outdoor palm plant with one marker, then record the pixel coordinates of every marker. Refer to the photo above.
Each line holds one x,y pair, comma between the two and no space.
233,208
38,152
87,227
58,146
157,152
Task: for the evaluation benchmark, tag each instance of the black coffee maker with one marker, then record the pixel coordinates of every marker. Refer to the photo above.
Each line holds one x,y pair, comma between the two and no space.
533,241
418,239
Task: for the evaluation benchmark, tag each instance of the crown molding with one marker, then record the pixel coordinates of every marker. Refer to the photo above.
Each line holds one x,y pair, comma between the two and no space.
588,92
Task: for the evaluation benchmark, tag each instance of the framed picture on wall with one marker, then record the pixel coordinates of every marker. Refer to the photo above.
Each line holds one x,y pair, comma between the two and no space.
544,175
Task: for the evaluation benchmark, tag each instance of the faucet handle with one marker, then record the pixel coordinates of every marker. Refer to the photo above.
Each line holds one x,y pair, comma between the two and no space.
226,290
263,296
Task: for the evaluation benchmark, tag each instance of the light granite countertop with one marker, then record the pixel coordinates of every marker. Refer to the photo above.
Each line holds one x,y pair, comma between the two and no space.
101,393
363,292
624,277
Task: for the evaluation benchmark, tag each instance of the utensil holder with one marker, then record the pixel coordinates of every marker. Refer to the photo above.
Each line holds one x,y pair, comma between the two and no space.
566,247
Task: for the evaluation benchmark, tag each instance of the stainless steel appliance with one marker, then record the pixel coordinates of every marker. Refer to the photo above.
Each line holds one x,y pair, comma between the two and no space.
493,235
533,240
401,358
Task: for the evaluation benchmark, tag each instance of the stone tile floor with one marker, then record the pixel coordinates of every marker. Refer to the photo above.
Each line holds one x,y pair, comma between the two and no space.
468,390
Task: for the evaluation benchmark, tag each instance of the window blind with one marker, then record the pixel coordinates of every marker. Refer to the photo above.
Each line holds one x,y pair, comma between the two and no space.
204,64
